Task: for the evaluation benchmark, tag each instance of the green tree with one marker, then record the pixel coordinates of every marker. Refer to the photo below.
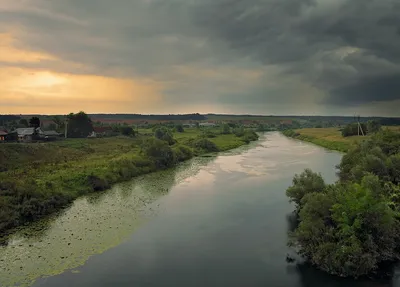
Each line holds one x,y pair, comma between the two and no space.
34,122
307,182
163,133
159,151
373,126
79,125
127,131
179,128
239,131
353,130
226,129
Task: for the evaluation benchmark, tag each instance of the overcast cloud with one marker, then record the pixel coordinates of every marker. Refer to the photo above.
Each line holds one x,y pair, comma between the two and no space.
253,56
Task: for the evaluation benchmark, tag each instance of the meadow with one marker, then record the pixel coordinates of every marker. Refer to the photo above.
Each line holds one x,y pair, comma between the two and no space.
37,179
330,138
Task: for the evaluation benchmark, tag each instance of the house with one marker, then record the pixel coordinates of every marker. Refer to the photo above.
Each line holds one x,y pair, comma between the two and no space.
100,132
3,135
207,124
50,135
189,125
29,134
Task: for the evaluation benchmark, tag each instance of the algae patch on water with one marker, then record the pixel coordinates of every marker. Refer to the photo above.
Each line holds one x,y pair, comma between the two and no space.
92,225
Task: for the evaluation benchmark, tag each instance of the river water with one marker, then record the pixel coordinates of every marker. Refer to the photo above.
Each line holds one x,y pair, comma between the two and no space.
215,221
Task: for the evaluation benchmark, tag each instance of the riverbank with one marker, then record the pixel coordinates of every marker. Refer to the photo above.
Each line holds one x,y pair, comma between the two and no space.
330,138
41,178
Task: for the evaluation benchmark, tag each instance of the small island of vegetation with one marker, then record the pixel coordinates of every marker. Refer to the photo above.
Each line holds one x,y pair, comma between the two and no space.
352,228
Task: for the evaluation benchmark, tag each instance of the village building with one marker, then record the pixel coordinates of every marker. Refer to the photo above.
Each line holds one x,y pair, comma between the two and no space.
101,132
33,134
208,124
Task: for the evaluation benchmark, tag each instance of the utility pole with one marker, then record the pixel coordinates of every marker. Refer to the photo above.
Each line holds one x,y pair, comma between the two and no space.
66,127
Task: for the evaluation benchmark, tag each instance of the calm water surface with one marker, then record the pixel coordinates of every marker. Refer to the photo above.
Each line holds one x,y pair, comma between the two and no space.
219,221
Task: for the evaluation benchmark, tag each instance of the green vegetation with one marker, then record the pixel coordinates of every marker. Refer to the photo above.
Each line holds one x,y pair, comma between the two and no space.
39,178
352,227
79,125
329,138
354,129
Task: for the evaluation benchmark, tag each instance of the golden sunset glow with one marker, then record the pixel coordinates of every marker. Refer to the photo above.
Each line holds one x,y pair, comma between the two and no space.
30,90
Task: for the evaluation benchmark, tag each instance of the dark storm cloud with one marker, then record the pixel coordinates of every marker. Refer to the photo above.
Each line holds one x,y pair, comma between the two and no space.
293,33
332,52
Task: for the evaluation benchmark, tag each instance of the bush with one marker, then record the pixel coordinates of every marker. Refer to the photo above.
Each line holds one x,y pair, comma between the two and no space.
179,128
209,134
249,136
160,152
205,144
127,131
307,182
165,135
182,153
239,132
353,130
97,184
226,129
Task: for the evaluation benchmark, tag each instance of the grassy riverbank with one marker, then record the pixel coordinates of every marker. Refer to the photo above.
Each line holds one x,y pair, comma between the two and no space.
40,178
330,138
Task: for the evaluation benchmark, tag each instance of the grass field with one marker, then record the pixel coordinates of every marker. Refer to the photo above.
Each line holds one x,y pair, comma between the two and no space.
330,138
39,178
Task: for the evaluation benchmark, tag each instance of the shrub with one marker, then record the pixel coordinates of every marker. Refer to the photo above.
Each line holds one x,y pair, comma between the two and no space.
97,184
205,144
165,135
182,153
179,128
160,152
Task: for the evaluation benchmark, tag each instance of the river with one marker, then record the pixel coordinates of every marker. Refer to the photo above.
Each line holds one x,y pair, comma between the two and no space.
212,221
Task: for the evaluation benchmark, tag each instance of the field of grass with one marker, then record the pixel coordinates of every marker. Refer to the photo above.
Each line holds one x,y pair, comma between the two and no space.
330,138
39,178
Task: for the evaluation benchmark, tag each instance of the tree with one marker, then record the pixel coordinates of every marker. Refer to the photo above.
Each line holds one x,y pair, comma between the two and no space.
164,134
373,126
60,123
34,122
160,152
351,227
239,131
79,125
24,122
127,131
353,129
179,128
307,182
226,129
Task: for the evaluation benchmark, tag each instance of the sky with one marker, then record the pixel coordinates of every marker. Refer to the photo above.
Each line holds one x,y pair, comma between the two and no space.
271,57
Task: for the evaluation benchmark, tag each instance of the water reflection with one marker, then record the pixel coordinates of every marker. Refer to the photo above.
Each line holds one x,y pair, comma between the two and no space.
90,226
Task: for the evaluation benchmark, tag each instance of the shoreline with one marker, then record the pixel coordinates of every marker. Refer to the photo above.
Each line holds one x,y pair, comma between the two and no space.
331,145
49,187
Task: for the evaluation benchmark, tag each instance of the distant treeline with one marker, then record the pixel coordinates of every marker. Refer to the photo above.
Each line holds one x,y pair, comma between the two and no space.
8,118
170,117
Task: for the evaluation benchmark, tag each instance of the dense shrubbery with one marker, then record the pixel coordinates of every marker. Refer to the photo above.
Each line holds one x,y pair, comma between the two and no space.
249,136
205,145
354,130
163,133
351,227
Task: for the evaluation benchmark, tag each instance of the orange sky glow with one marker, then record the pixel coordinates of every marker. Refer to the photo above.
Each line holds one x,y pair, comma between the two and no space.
33,91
